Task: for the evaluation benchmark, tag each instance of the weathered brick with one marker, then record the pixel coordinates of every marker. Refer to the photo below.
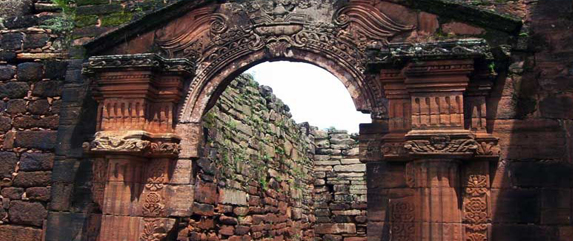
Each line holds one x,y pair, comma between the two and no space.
38,193
13,193
32,179
44,140
7,72
203,209
55,69
30,71
11,41
25,21
5,123
35,40
36,161
27,213
8,162
39,107
336,228
48,89
14,90
16,106
9,232
27,122
206,192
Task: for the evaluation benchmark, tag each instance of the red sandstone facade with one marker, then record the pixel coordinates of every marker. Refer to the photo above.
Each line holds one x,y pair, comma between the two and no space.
470,136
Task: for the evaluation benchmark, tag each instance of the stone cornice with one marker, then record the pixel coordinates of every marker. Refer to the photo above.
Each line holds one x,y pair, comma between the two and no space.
397,53
148,61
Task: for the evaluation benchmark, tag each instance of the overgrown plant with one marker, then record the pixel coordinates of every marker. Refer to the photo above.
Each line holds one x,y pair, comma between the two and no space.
63,24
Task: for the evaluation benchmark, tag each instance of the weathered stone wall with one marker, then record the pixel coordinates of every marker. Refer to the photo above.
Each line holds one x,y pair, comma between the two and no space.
533,111
340,187
255,181
31,79
93,18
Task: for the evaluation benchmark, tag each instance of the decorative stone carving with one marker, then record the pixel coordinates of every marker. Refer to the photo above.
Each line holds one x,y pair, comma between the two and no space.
403,216
476,206
156,229
216,37
119,142
442,145
154,202
490,148
462,48
476,232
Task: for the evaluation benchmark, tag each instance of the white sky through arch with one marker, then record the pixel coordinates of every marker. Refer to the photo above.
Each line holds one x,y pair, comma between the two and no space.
313,94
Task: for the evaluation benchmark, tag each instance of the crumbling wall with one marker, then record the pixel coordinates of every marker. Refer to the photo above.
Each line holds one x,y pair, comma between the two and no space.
255,180
340,187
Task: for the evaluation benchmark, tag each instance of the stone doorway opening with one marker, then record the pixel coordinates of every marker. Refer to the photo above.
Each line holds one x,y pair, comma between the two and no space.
277,178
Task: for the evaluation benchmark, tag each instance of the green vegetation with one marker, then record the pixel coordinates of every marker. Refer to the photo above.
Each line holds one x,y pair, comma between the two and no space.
64,23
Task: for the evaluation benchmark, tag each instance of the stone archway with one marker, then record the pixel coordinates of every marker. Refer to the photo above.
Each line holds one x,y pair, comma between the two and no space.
427,101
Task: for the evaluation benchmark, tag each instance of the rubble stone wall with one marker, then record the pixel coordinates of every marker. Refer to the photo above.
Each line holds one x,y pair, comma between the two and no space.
340,187
255,181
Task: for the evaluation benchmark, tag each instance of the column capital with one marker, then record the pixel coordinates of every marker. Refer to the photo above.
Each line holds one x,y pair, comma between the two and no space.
137,95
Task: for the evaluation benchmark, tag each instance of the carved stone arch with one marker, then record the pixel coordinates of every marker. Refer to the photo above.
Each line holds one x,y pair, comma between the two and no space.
235,34
201,97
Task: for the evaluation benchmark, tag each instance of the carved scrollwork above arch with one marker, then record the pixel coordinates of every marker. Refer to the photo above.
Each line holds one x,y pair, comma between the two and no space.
216,36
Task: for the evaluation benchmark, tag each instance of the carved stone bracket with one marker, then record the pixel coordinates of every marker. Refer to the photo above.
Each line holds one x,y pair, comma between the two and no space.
135,143
437,145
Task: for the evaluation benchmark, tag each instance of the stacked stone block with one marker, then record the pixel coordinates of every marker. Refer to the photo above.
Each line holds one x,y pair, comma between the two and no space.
31,80
340,187
95,17
255,182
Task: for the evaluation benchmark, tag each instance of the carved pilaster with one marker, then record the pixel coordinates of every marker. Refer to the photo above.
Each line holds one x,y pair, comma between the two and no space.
135,142
476,201
437,97
476,113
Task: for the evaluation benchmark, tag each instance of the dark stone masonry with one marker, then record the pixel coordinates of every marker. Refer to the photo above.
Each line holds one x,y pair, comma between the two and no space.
130,120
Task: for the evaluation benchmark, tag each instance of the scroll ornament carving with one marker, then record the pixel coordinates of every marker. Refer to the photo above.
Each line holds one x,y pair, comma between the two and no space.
393,149
403,227
106,142
119,143
475,208
402,211
279,25
442,145
490,148
476,232
153,230
153,204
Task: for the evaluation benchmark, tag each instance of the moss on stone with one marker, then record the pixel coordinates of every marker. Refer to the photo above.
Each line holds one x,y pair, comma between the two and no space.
116,19
91,2
85,20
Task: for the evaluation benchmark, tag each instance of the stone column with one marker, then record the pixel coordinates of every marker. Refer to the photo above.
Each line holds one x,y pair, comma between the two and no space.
438,142
135,144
